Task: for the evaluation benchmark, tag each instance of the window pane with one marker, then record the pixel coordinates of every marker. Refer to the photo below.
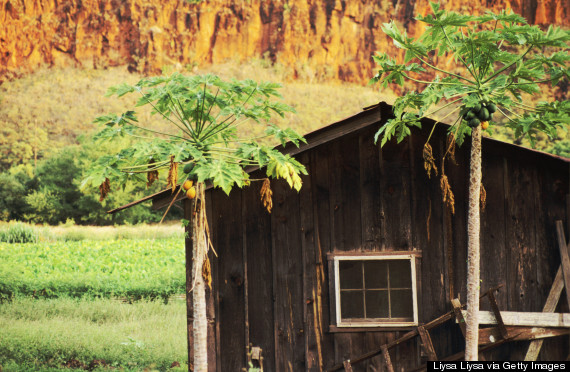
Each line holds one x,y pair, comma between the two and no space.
351,304
350,274
402,304
375,274
377,304
400,274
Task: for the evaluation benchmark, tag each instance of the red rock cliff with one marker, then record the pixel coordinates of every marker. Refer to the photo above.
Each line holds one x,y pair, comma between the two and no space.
330,38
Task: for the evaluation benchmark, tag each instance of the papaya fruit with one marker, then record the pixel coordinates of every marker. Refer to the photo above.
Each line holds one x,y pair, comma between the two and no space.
483,115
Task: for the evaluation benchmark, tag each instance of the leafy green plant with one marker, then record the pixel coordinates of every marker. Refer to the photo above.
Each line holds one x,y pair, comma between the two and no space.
130,269
205,114
499,60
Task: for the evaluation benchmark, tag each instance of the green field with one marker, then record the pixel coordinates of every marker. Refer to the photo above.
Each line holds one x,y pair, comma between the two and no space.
89,303
110,268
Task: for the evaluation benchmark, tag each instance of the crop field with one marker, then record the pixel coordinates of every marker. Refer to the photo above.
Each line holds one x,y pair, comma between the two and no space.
92,304
114,268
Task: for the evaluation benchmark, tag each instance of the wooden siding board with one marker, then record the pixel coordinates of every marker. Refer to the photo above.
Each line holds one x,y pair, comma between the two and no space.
311,291
395,192
322,224
520,238
458,177
257,227
428,233
344,178
493,249
396,202
371,201
552,187
227,221
288,284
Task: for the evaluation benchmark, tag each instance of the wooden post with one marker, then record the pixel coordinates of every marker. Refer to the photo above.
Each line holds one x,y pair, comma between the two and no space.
188,243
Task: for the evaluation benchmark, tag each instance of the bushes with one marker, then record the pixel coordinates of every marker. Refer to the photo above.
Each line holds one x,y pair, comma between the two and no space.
52,194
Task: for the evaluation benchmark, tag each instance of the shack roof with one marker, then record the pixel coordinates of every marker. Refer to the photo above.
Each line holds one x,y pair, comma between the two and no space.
368,116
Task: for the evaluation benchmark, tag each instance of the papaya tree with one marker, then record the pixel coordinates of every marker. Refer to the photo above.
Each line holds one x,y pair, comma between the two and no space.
493,61
210,142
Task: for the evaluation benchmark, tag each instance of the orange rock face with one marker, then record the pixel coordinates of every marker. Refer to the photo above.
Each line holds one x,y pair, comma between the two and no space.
318,38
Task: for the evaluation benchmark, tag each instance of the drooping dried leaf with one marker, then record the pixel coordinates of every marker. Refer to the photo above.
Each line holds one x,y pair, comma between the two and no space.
172,178
429,161
448,197
450,148
151,177
104,189
207,272
266,195
483,197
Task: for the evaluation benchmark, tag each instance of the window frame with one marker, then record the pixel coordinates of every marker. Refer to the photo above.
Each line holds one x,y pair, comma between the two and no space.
409,256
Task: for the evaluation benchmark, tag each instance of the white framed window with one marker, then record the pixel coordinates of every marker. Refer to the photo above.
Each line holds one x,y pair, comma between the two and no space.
375,290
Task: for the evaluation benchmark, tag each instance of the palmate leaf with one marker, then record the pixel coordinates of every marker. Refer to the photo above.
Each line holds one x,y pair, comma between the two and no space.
504,17
391,71
285,135
223,174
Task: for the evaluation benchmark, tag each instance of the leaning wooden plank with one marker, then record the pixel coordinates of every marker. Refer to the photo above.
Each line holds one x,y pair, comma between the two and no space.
564,257
514,318
489,336
426,342
387,358
549,307
458,315
497,314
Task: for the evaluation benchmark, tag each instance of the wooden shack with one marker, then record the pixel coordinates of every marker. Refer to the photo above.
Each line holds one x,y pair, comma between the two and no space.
367,252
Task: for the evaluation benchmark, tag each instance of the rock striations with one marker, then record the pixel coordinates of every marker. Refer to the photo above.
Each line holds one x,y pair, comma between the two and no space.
333,39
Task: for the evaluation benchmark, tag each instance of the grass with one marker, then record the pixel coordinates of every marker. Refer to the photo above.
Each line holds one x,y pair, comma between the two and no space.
46,334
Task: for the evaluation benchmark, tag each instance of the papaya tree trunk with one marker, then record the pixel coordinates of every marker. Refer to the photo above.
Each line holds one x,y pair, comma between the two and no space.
196,251
473,248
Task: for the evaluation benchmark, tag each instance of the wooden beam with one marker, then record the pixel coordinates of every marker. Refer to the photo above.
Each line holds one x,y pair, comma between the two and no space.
492,335
514,318
564,258
426,342
549,307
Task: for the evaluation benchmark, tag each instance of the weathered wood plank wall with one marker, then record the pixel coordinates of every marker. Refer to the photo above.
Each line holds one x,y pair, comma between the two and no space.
272,272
